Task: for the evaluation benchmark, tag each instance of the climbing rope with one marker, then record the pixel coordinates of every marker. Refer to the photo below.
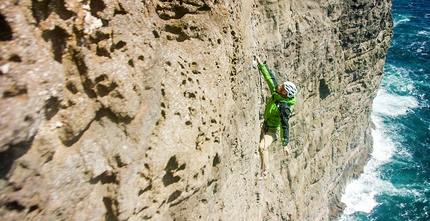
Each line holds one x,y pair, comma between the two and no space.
261,198
254,23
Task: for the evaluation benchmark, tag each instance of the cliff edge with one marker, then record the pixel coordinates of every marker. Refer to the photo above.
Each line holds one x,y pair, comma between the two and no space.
151,110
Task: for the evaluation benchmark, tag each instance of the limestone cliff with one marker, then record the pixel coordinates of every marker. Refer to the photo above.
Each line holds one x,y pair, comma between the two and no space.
150,109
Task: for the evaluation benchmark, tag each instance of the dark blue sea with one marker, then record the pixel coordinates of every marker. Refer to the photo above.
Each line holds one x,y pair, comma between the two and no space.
395,184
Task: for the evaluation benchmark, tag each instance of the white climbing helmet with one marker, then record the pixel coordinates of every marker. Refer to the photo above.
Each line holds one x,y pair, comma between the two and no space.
291,88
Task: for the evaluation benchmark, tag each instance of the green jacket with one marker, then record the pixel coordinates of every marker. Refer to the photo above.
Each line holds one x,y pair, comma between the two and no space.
278,108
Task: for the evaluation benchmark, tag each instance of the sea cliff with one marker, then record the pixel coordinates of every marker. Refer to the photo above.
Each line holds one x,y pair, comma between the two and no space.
151,110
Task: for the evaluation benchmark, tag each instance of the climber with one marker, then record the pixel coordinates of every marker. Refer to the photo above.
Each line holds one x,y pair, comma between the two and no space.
276,115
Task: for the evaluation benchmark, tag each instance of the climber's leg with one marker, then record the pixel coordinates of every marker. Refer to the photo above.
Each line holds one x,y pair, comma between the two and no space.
265,143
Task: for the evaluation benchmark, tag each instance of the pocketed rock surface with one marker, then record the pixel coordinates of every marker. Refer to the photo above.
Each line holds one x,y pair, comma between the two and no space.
151,110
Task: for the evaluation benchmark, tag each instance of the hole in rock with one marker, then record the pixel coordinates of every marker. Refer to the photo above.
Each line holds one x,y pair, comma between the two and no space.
71,87
111,214
177,12
15,206
172,164
170,179
5,29
58,38
102,52
40,10
104,90
97,6
174,196
130,62
8,157
216,160
144,190
120,45
119,11
15,58
15,91
33,208
323,89
52,106
155,33
119,162
104,178
182,167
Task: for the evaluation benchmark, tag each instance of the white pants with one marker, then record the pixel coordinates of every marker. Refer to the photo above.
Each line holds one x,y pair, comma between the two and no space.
266,140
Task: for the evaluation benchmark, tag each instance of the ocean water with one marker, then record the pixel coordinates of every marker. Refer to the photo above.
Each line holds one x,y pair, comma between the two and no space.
395,184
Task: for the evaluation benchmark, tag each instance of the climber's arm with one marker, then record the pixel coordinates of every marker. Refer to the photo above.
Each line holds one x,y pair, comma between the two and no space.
268,76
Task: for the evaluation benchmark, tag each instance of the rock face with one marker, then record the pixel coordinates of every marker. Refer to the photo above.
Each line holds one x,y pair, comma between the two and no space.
150,110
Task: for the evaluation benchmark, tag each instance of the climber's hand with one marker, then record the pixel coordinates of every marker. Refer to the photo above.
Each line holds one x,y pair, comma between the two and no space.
258,59
286,150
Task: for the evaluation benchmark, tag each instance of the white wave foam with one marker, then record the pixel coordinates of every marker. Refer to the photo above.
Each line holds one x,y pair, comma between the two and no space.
360,193
396,96
398,80
425,33
358,197
383,147
401,19
393,105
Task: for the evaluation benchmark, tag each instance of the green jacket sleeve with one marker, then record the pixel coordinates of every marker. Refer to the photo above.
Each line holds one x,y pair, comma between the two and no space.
269,77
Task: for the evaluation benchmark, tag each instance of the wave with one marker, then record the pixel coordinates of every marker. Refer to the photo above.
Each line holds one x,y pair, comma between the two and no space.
393,105
394,98
360,193
394,184
424,33
400,20
397,80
